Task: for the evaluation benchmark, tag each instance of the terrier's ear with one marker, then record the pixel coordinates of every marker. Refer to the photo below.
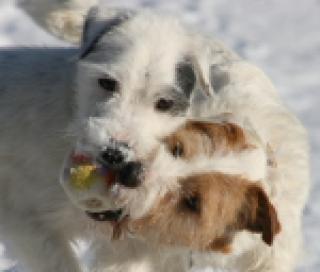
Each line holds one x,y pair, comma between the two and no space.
259,215
218,77
202,76
210,78
98,23
186,77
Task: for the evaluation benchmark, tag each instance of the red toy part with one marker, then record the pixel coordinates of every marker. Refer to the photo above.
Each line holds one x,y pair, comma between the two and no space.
110,178
80,159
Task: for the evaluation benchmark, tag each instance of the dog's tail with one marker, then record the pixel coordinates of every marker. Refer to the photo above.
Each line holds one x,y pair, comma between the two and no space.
63,19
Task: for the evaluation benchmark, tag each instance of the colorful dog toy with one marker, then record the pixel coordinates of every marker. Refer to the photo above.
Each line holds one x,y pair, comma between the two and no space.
87,183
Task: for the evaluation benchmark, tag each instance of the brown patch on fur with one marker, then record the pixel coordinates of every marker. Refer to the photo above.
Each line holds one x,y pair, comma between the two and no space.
258,215
196,138
221,244
207,211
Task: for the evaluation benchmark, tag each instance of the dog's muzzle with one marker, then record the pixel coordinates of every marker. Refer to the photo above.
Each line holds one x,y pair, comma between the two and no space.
92,183
128,172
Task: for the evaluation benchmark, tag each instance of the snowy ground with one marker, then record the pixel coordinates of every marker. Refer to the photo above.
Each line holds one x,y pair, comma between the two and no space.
281,36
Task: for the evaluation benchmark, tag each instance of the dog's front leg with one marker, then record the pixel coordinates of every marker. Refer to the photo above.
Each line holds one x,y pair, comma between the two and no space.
132,255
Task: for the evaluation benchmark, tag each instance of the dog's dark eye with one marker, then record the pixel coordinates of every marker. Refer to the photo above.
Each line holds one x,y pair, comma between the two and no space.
177,150
108,84
164,104
192,203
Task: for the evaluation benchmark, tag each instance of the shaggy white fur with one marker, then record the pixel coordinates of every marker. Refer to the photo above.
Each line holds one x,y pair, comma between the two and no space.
140,50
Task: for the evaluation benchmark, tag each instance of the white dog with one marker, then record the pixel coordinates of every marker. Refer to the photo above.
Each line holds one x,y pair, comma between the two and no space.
140,75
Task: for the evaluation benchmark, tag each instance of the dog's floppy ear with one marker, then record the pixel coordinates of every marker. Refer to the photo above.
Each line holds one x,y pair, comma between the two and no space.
210,78
186,76
259,215
98,23
218,77
190,71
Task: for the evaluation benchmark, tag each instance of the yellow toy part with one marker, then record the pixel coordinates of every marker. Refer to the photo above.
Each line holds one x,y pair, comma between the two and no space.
84,176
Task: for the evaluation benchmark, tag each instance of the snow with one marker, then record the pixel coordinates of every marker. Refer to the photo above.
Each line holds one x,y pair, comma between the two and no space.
282,37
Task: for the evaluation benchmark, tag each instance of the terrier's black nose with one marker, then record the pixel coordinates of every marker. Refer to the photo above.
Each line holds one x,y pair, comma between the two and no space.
112,157
130,174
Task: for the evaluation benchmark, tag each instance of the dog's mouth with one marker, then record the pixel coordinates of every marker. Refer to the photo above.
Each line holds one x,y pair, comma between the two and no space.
109,215
115,218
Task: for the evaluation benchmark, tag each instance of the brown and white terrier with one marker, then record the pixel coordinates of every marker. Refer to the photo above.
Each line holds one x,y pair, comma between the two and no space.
208,209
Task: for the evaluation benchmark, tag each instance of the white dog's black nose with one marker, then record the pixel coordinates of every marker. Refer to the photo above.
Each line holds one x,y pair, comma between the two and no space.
130,174
112,157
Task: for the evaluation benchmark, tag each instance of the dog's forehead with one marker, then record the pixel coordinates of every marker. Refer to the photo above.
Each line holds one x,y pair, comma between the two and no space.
141,49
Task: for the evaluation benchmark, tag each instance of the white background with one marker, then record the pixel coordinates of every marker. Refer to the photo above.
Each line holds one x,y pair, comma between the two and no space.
280,36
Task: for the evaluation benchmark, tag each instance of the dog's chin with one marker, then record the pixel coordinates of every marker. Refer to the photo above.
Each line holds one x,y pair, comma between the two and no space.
110,211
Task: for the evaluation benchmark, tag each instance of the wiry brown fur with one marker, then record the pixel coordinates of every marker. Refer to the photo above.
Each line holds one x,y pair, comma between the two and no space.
221,204
227,204
195,138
